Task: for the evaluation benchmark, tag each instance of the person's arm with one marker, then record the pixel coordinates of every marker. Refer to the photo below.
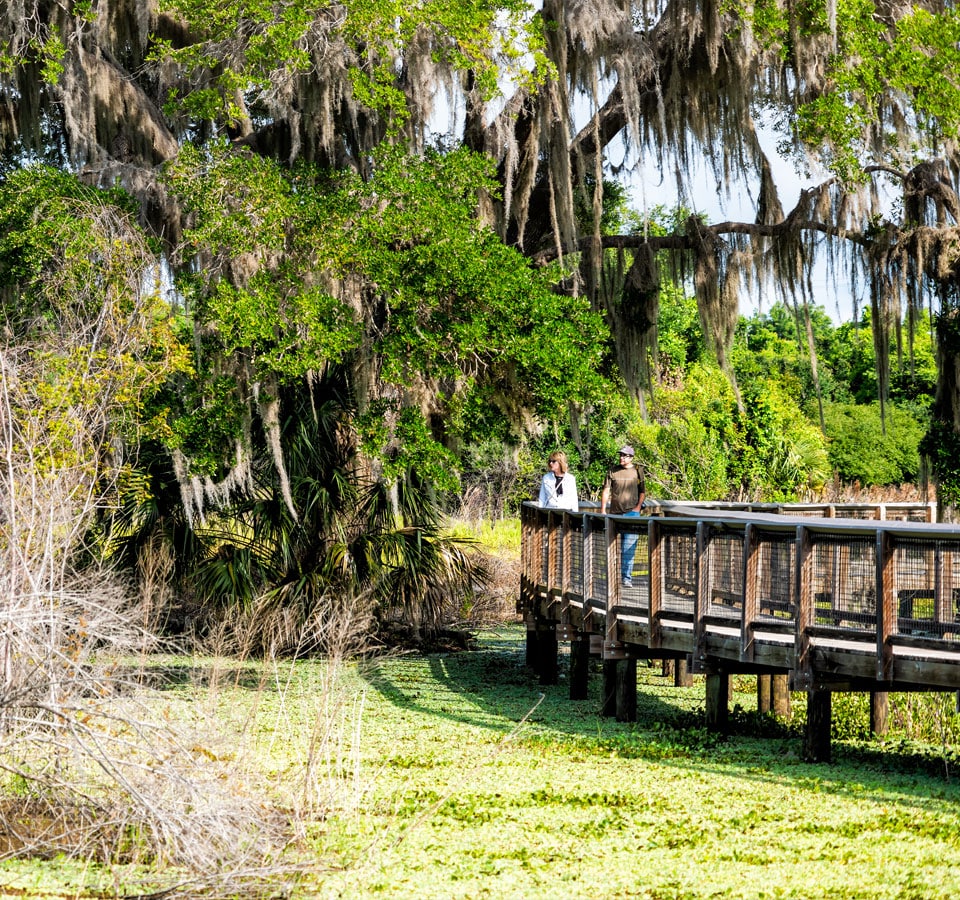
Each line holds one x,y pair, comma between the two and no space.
641,491
544,495
570,486
605,496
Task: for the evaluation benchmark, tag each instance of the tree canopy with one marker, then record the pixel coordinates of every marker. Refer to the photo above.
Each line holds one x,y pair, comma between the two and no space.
425,195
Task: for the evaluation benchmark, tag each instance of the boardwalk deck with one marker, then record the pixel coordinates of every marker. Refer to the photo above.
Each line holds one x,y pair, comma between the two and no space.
863,598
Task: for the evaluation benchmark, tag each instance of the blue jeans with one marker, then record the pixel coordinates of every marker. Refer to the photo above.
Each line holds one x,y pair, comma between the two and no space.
628,549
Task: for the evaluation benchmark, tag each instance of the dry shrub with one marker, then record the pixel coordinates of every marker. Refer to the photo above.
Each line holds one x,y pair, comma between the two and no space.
838,492
94,763
496,601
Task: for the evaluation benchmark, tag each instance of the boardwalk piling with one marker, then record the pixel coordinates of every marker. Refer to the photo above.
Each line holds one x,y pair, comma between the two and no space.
879,707
780,695
627,690
816,737
764,693
579,667
609,705
718,700
547,653
682,677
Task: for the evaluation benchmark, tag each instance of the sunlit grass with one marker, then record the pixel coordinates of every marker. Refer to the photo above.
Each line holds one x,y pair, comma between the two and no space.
497,536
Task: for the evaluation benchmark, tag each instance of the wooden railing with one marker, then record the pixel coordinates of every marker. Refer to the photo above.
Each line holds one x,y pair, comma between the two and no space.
863,598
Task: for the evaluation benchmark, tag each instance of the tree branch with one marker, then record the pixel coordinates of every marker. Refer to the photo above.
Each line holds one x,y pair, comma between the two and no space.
679,241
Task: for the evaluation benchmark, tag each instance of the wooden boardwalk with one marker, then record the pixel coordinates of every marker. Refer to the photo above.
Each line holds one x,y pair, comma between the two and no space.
814,598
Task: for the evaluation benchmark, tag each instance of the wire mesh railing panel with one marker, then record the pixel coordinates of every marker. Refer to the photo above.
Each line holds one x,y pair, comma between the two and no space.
598,566
855,512
776,560
537,525
679,562
635,562
844,582
725,598
554,551
901,515
927,588
817,512
575,537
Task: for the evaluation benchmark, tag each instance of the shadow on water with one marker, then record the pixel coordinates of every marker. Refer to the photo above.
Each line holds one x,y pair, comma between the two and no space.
491,687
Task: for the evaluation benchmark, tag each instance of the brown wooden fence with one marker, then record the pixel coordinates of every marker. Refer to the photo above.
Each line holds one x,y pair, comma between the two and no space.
824,598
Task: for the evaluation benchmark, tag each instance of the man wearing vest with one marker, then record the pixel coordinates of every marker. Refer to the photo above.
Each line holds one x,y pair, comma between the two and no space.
622,495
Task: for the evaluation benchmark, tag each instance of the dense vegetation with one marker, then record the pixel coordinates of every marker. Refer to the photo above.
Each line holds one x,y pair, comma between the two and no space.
289,307
285,285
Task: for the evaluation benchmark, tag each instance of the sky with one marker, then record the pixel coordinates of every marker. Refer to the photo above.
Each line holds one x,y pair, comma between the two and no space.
735,203
647,189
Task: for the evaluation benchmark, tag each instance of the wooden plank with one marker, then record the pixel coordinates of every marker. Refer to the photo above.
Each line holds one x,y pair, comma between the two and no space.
886,623
566,563
655,543
751,592
701,597
806,607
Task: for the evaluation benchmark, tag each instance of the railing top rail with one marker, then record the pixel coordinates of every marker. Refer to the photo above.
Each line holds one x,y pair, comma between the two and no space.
845,504
784,522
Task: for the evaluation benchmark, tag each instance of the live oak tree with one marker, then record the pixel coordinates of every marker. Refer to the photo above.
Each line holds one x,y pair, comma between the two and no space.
552,95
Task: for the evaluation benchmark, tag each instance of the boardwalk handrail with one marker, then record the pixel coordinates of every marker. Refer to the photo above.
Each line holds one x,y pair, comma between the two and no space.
837,602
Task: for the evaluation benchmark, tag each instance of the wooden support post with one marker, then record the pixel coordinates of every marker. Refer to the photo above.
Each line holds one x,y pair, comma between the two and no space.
608,707
764,693
806,609
627,690
532,657
547,652
681,673
718,701
816,737
887,612
879,708
579,667
667,668
586,560
780,695
655,546
751,595
701,600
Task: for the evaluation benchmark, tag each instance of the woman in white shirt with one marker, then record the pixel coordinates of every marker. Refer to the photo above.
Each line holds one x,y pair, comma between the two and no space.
558,488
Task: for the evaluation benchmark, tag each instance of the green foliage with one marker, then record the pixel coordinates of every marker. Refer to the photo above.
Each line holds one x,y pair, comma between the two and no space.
702,445
348,538
862,450
914,63
461,303
941,445
773,346
680,339
79,292
447,302
244,49
919,62
684,449
400,437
